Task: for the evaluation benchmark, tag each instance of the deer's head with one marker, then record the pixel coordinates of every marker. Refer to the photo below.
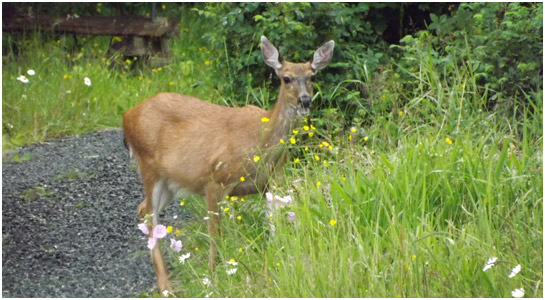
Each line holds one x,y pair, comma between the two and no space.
296,78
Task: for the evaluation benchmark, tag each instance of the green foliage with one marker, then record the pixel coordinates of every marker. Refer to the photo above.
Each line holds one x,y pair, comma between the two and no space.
500,44
298,29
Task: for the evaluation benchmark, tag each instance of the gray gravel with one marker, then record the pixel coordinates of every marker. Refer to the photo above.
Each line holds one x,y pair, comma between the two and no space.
69,224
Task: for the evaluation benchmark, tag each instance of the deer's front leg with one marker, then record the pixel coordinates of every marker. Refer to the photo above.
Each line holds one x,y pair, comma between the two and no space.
214,193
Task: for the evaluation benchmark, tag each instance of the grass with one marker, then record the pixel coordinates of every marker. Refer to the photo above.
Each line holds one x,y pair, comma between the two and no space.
413,205
56,101
416,220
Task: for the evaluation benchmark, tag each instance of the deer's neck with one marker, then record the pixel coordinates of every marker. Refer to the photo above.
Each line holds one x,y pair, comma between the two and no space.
282,119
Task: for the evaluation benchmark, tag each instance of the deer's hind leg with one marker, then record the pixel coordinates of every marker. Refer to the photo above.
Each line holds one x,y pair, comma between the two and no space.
157,198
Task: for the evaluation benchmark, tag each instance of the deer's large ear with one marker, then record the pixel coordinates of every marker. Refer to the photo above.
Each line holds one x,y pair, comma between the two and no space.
270,54
322,56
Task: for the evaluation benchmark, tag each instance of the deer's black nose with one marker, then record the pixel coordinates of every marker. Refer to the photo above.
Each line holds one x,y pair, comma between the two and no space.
305,101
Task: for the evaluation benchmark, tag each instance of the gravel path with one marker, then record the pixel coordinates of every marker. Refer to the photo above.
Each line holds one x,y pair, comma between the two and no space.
69,224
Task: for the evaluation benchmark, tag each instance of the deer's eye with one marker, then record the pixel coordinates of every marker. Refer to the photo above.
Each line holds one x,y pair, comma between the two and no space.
286,79
312,77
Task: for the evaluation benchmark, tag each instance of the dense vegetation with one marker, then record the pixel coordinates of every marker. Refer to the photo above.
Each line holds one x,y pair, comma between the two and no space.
421,160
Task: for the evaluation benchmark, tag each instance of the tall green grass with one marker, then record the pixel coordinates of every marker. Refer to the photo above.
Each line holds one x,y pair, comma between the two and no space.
412,205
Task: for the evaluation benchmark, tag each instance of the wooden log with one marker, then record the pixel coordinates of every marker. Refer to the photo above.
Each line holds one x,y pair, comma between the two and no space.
95,25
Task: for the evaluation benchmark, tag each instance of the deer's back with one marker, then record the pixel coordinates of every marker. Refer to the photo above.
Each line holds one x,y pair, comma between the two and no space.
185,139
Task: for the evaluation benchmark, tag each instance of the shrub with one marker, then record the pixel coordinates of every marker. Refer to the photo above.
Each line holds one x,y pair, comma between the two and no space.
500,44
360,31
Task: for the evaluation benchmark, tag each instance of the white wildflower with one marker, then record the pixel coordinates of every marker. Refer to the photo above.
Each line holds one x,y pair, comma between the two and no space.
22,79
490,263
165,293
87,81
31,72
232,263
206,281
232,271
515,271
518,293
183,257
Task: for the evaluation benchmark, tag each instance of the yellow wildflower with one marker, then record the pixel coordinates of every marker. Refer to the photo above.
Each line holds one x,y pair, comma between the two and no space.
234,198
239,249
312,127
332,222
265,119
306,128
365,138
226,209
295,131
296,160
242,178
292,140
256,158
353,129
281,141
169,229
318,184
182,203
326,164
316,157
449,141
400,112
310,134
239,218
207,62
349,137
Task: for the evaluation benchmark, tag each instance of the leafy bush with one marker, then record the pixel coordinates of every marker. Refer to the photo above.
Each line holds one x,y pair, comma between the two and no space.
360,31
501,45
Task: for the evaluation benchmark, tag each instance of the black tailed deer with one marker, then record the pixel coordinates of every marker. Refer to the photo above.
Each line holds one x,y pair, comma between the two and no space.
186,145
